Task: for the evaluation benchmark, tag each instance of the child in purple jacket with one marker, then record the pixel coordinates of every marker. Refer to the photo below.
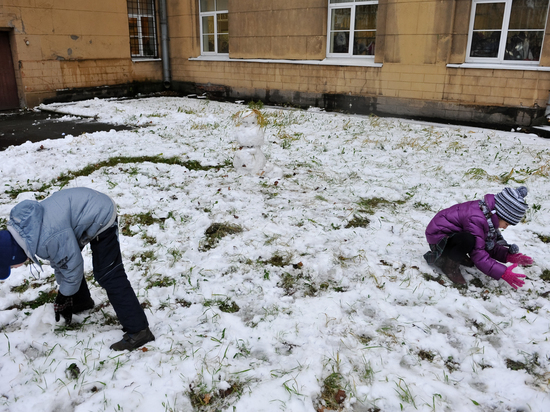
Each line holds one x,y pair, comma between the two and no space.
468,234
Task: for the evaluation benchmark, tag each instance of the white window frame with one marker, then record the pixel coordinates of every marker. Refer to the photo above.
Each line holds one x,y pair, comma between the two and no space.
214,14
350,4
138,17
503,37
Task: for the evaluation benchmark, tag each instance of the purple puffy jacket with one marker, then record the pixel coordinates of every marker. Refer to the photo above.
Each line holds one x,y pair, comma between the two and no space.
468,217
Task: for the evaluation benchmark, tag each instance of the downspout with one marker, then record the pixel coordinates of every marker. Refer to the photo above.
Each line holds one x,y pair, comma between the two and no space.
164,44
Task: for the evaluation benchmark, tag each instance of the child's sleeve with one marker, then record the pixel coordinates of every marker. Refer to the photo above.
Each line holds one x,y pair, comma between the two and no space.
499,253
66,260
486,262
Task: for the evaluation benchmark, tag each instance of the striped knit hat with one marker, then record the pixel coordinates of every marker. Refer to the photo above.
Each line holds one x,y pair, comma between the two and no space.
510,205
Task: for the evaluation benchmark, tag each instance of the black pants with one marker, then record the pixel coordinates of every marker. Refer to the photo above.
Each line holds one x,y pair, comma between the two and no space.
458,246
110,274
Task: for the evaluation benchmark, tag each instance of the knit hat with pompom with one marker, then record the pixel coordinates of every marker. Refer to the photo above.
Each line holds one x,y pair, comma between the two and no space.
510,205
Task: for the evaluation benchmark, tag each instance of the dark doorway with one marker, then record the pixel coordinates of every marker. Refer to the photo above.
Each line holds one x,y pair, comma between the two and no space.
8,84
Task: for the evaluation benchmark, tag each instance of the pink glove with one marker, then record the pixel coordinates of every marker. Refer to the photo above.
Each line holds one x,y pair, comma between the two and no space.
520,259
513,278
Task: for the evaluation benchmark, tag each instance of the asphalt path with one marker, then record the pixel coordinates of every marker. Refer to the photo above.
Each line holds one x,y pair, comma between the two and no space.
18,127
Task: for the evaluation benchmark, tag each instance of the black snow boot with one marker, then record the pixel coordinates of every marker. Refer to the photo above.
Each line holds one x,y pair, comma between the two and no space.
467,261
131,341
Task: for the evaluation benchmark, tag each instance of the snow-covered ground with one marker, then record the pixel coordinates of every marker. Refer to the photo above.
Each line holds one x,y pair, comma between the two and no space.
322,301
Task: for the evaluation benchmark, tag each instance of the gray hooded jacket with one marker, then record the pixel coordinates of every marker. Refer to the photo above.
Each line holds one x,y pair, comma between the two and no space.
57,228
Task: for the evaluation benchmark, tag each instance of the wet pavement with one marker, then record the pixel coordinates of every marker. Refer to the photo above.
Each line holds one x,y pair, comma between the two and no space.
20,126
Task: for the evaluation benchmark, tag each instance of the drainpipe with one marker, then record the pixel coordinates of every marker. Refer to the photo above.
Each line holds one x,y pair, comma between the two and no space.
164,44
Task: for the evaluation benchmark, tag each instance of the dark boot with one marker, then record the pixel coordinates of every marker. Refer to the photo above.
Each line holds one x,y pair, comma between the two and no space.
81,306
467,261
451,269
131,341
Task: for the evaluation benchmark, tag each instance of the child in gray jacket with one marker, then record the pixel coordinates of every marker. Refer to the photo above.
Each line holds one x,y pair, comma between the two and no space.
57,229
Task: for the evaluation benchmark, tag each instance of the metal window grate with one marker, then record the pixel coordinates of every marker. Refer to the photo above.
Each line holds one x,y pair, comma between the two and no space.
143,29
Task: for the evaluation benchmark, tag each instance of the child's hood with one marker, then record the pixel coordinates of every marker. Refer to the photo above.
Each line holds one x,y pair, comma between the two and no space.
25,225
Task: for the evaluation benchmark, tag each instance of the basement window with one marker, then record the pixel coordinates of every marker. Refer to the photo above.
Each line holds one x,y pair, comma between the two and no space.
143,29
214,27
352,28
507,31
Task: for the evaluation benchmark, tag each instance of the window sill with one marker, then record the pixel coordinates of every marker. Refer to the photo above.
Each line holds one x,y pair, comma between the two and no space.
497,66
146,59
329,61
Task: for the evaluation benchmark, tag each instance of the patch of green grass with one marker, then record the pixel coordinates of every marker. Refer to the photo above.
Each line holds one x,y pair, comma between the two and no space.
183,303
42,299
364,339
143,257
451,365
73,371
297,282
515,365
149,240
477,283
64,178
438,278
426,355
543,238
259,105
213,400
108,319
225,305
531,365
142,219
160,282
369,205
288,283
358,221
333,285
478,173
215,232
332,392
277,260
545,275
404,393
422,206
21,288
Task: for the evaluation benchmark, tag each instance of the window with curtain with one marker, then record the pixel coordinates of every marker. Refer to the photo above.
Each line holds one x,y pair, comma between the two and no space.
214,26
507,31
143,29
352,28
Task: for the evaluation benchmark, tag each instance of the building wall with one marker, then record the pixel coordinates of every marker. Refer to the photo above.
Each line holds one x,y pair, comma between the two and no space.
416,40
277,29
77,44
63,44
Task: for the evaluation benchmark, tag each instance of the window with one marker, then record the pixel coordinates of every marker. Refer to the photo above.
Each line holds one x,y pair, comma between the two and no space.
352,28
214,26
507,31
143,30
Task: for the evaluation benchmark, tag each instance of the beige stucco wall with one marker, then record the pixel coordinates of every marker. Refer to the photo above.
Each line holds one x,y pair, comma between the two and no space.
277,29
415,42
60,44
